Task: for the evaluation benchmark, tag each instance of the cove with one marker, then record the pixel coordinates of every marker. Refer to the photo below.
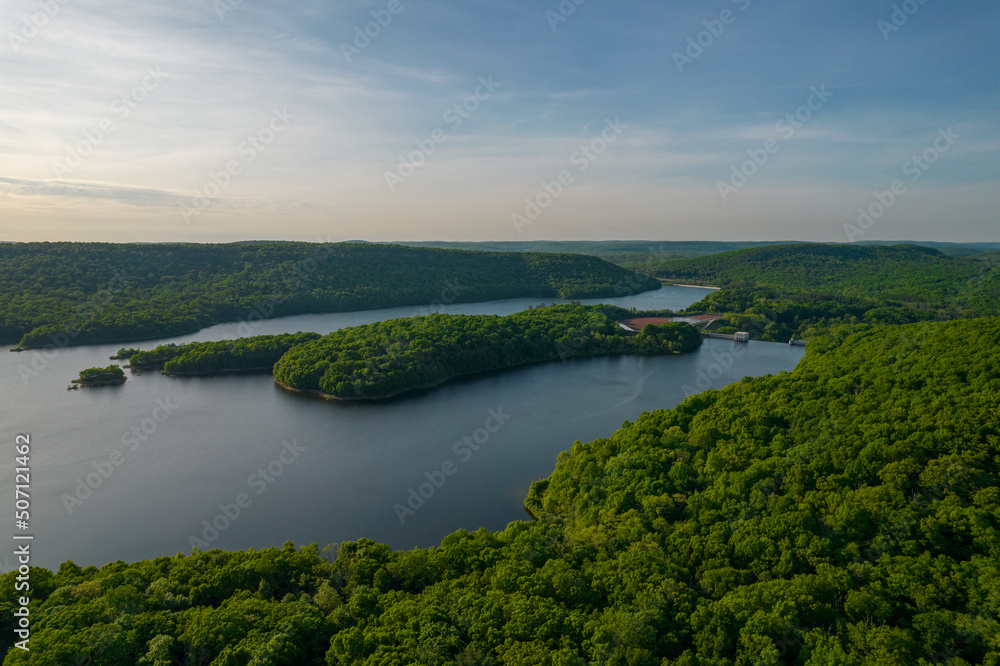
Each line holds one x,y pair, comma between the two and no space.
236,462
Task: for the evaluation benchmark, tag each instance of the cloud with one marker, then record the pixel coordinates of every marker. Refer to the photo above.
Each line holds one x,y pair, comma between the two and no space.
125,194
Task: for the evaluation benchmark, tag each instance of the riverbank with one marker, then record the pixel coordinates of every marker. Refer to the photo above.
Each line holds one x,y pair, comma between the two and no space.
667,283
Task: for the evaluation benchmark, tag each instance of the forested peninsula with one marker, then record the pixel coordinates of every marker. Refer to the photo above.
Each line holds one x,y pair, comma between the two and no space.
63,294
385,359
781,292
389,358
920,277
845,513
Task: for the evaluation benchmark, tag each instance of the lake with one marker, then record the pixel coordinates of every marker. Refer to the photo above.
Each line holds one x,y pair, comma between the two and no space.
140,470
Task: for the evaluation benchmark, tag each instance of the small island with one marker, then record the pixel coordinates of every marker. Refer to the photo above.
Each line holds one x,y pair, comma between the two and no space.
112,375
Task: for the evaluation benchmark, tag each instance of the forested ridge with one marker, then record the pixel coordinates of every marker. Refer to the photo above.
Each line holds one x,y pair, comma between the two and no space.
86,293
388,358
796,291
921,276
639,253
845,513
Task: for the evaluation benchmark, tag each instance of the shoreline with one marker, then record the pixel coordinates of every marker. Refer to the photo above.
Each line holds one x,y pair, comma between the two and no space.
470,375
79,383
694,286
418,306
375,399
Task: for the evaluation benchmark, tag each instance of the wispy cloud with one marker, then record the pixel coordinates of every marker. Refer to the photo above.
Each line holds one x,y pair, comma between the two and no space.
134,196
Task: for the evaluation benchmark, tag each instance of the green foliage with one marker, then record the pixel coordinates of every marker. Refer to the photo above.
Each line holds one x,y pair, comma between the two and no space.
905,273
776,316
85,293
845,513
638,255
108,376
255,354
795,291
387,358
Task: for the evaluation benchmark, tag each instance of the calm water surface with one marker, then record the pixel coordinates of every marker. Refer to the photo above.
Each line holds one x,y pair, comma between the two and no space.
310,471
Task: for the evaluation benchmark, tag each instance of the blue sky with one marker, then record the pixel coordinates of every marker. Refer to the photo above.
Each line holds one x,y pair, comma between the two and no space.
164,97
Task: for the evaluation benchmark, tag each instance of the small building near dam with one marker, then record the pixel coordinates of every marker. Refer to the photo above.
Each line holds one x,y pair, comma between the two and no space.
741,336
636,324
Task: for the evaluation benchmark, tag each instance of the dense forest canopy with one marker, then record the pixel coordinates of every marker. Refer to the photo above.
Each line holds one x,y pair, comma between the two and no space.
638,252
85,293
904,273
388,358
796,291
845,513
109,376
778,316
257,353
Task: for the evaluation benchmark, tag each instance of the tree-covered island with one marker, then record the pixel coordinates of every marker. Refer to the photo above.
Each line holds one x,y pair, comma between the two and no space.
112,375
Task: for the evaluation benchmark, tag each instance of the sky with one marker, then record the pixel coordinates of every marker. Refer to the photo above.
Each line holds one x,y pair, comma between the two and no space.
225,120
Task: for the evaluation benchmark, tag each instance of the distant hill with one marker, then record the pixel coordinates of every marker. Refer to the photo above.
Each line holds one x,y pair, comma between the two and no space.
796,291
85,293
644,251
953,249
653,249
907,273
